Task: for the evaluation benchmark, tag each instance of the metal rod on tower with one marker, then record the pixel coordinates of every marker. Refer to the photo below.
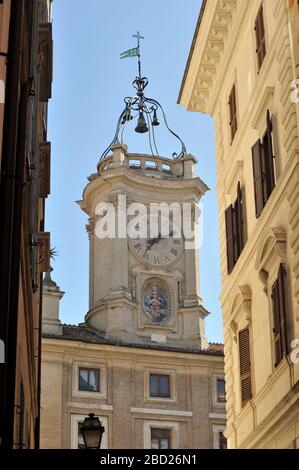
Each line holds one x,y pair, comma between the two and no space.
138,37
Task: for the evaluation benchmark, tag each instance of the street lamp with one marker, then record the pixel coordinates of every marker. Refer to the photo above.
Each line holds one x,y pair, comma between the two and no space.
92,431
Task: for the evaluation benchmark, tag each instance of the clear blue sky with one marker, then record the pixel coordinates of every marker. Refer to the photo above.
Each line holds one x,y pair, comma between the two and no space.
90,82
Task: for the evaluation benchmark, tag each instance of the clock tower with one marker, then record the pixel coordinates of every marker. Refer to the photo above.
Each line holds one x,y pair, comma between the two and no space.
140,359
143,269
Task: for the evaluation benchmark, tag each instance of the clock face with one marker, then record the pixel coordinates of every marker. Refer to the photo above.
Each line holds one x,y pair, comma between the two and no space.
159,250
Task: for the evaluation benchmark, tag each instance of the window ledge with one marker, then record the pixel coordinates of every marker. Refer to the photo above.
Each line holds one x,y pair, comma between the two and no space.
159,400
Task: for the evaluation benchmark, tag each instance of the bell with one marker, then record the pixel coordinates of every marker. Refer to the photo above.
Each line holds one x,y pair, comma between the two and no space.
155,121
141,127
127,116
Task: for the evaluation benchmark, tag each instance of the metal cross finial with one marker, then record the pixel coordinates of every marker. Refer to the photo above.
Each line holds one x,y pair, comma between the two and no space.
138,37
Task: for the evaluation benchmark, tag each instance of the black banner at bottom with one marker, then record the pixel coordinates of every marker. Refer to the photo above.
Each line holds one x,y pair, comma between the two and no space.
132,459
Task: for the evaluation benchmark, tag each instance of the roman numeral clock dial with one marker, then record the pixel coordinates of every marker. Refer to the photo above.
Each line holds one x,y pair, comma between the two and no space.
159,250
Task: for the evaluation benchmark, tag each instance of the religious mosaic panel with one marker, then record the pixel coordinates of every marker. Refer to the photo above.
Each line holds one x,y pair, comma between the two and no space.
156,300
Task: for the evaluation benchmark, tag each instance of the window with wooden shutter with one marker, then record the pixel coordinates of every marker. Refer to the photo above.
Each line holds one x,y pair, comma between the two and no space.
260,37
233,112
263,165
245,366
258,177
280,316
239,219
229,222
234,224
268,158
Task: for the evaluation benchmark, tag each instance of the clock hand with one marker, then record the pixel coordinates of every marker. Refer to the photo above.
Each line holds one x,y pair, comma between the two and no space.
152,242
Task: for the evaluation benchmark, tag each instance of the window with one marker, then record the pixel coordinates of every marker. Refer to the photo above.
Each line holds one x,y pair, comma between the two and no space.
245,366
234,221
166,167
221,390
219,441
279,316
151,165
159,385
134,163
259,28
76,436
89,380
81,444
160,438
263,168
233,112
222,441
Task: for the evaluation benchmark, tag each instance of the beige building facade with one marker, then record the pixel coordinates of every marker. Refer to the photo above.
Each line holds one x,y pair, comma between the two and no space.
141,360
242,70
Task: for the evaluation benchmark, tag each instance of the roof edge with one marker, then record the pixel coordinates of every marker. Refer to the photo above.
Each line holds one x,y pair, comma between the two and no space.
201,13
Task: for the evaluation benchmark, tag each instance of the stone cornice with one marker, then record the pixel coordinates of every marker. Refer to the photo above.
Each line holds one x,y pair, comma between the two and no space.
127,177
59,348
221,25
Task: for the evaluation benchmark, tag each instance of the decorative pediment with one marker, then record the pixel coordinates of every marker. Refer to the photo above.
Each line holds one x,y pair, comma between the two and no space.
45,61
43,262
272,250
240,309
235,175
274,242
259,120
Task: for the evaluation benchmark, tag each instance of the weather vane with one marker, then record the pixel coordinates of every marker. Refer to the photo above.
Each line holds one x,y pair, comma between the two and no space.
134,52
146,110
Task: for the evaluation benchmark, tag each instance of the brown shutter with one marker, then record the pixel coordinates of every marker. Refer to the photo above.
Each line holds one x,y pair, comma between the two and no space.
283,308
258,177
239,219
233,112
269,157
257,35
229,224
280,316
245,366
262,33
260,36
276,324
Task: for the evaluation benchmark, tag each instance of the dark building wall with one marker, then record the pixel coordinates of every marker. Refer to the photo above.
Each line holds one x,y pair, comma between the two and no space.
25,37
